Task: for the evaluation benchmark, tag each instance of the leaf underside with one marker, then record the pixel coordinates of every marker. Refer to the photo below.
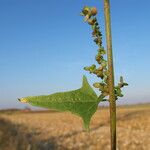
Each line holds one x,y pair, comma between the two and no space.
82,102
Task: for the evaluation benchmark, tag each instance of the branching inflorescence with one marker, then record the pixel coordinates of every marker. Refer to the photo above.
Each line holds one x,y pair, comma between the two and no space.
83,101
102,71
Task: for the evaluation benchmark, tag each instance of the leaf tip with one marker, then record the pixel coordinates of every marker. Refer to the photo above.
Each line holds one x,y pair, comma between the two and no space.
84,81
22,100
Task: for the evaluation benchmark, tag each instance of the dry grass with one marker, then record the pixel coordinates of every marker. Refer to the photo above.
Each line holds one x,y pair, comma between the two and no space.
54,130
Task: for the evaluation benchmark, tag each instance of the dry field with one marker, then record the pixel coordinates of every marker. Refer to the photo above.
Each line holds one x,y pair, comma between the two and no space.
27,130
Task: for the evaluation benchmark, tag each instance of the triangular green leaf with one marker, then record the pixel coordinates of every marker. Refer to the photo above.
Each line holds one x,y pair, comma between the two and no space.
82,102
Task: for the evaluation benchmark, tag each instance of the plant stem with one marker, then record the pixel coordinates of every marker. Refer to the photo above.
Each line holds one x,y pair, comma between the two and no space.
112,100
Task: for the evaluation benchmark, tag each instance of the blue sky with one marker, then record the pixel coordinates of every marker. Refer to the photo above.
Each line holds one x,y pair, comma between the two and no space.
44,45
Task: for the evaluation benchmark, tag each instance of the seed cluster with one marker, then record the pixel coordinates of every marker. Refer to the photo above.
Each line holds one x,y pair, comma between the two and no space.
118,91
89,14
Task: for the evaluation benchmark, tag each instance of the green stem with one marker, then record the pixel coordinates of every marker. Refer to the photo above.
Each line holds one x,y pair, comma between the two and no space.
112,101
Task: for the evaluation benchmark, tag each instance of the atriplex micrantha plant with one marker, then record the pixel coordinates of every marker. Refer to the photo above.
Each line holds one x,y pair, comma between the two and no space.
102,70
105,69
84,101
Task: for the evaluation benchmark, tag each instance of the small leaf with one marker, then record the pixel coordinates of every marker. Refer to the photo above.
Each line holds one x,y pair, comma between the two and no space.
118,92
82,102
121,79
125,84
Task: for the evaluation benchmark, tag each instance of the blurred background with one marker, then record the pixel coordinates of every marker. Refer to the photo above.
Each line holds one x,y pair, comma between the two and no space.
44,46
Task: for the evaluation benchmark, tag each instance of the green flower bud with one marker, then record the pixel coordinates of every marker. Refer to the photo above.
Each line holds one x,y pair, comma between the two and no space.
96,71
91,70
94,27
104,64
97,85
93,66
106,89
101,88
105,93
100,74
85,10
106,73
90,22
99,58
102,51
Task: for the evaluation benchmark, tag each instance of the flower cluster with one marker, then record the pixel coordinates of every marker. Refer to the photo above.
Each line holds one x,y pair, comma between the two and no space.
118,91
89,14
